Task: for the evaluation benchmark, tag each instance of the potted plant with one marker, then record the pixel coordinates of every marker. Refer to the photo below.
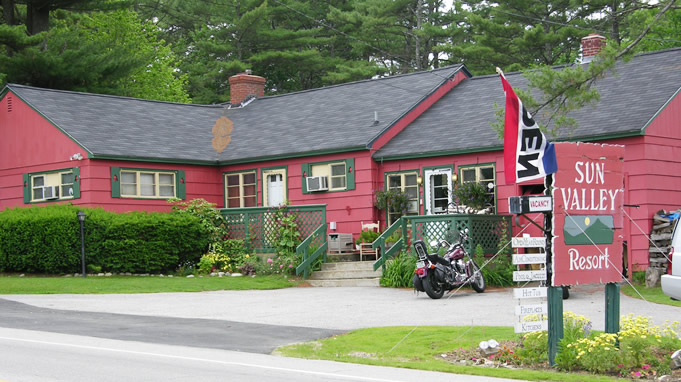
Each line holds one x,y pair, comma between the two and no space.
366,236
472,194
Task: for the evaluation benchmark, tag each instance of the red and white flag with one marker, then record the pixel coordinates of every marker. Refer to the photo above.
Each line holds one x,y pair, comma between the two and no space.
527,153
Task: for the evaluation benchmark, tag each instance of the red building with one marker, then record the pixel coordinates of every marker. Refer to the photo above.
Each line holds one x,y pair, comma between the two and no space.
420,132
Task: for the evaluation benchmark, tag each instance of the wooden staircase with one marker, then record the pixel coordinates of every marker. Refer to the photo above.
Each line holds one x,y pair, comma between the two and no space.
345,270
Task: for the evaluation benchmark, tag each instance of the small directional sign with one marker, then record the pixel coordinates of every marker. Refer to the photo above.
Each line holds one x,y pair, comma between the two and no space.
528,242
537,292
531,326
525,204
519,276
524,310
529,258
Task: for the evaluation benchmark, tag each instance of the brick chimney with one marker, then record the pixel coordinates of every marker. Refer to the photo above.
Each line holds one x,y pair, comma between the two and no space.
242,85
591,46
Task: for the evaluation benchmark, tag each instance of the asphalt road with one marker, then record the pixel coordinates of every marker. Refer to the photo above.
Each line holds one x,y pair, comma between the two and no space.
30,356
343,309
175,336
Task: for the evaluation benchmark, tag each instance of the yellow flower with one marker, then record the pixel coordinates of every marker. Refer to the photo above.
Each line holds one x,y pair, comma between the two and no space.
248,257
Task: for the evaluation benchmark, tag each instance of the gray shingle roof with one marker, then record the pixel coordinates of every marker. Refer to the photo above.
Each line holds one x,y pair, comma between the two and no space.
333,118
460,121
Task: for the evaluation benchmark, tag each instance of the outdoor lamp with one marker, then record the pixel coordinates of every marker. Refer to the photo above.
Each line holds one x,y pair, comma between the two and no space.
81,218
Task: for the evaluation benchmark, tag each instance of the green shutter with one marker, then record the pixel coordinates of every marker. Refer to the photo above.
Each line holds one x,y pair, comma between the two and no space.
304,171
76,182
180,181
350,168
27,188
115,182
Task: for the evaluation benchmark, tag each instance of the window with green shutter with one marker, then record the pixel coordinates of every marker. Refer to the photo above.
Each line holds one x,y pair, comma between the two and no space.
340,174
53,185
147,183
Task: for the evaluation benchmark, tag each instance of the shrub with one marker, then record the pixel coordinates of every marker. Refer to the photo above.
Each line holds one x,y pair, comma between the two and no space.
399,271
47,240
211,262
275,265
211,220
497,271
234,249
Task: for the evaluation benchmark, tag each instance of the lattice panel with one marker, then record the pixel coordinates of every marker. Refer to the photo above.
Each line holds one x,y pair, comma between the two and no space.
258,228
483,230
430,230
236,226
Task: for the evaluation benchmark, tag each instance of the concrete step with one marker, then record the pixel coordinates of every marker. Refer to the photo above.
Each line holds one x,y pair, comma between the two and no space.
349,266
342,257
346,274
346,283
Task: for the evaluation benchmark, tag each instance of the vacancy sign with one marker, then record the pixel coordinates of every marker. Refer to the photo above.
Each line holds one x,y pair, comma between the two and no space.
588,195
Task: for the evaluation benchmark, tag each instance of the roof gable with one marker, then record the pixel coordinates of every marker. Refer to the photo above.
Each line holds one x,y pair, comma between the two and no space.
331,119
460,121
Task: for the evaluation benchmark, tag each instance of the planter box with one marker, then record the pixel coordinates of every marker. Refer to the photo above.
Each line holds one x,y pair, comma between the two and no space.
340,242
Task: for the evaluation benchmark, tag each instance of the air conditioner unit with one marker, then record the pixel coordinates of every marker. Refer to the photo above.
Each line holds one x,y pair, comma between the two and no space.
317,183
50,192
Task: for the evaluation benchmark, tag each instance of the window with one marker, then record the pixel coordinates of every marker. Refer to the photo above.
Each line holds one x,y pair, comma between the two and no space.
406,183
483,174
147,183
240,190
52,185
143,184
339,174
334,172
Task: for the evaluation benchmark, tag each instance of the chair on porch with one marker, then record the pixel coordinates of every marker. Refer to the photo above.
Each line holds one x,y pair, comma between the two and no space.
365,248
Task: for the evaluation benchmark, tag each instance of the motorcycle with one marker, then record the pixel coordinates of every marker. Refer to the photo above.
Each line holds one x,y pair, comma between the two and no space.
435,274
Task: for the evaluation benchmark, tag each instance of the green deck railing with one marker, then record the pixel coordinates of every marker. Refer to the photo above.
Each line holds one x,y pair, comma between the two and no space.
379,243
485,230
316,239
257,228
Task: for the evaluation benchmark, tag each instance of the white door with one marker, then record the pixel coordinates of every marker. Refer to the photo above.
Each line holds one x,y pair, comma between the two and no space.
438,190
275,190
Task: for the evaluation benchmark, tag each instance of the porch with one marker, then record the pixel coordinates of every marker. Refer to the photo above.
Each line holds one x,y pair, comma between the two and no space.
257,227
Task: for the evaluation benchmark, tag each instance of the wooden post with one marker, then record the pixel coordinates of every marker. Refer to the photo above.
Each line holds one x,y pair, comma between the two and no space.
554,293
555,302
612,308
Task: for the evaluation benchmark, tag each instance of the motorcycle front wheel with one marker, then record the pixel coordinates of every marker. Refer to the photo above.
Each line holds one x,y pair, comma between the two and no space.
433,289
477,280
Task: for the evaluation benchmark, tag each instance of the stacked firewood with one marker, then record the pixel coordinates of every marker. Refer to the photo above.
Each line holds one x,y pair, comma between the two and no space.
661,239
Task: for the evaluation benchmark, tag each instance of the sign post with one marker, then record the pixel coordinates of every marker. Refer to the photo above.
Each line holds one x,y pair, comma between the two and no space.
588,196
582,221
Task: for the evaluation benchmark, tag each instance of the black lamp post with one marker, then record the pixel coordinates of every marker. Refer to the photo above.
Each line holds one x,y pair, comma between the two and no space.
81,219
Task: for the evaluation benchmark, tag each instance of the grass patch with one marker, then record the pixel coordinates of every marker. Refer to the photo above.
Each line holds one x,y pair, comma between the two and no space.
138,284
650,294
423,348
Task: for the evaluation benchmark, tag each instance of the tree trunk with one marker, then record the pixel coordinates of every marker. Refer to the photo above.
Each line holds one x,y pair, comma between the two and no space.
37,19
8,12
417,38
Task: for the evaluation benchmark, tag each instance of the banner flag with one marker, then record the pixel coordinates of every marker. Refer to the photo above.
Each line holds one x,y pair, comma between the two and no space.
527,153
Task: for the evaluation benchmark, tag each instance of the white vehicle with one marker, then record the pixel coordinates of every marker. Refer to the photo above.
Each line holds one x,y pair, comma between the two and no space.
671,282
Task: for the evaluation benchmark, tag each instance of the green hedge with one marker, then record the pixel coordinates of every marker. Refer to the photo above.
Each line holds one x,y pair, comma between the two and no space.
47,240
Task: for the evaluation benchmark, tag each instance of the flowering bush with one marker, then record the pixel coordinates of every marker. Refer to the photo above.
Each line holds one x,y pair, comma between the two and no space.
211,262
472,194
276,265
